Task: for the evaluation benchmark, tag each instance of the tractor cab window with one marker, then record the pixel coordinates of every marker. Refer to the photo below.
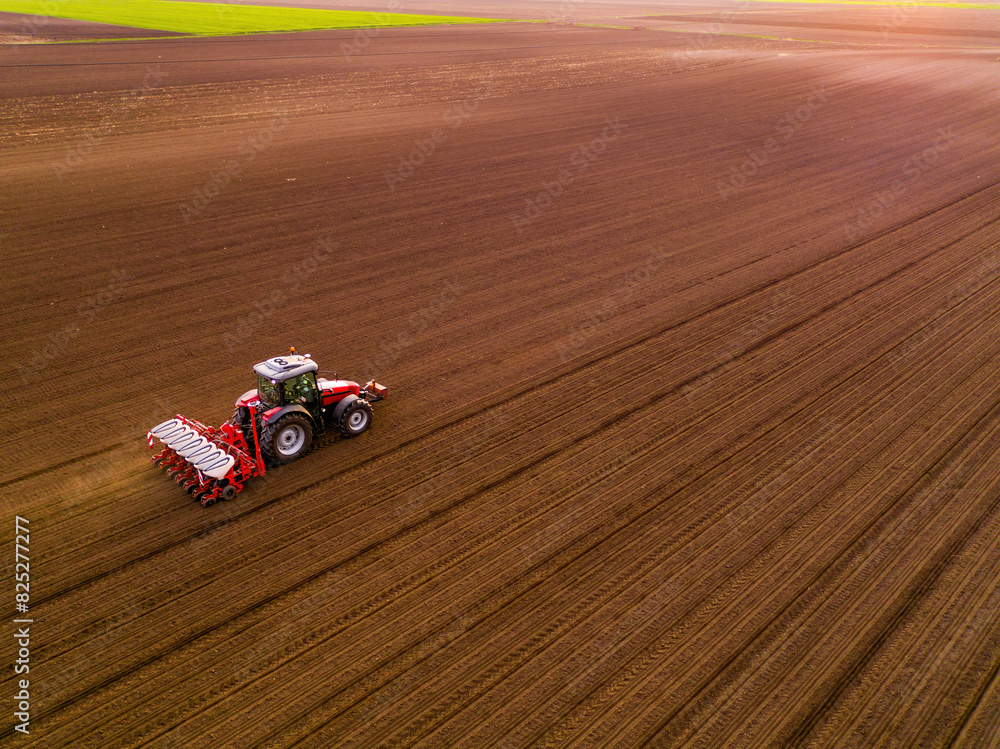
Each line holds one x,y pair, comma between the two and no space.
301,389
268,391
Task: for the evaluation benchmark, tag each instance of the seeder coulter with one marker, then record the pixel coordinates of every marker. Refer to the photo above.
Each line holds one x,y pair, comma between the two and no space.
272,425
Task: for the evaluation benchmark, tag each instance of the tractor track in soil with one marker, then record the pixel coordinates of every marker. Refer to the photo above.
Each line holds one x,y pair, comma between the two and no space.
754,503
479,410
283,593
502,478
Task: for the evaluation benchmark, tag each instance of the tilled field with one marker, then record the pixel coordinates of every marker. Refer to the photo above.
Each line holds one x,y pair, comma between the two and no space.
21,28
693,354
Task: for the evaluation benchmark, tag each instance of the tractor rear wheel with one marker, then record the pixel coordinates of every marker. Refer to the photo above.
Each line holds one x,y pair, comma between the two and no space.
286,439
356,418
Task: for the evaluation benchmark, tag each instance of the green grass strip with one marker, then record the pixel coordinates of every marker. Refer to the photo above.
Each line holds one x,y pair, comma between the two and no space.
213,19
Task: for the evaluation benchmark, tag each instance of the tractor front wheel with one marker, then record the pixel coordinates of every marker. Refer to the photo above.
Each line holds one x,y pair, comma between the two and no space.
286,439
356,418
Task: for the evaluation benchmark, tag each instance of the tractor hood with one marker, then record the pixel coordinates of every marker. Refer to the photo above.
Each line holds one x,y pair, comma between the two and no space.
337,387
334,391
282,368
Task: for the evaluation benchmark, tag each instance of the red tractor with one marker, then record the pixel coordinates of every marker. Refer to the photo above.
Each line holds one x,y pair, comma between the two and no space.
273,424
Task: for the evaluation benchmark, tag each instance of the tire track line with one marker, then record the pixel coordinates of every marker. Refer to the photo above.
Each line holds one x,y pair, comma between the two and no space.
846,551
952,615
642,339
756,715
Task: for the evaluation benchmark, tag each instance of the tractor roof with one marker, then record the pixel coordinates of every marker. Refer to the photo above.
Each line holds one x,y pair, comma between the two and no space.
282,368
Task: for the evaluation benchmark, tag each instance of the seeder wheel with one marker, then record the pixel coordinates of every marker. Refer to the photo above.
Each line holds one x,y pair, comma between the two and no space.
229,492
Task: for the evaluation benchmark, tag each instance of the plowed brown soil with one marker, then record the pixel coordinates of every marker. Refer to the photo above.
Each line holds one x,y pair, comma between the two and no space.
21,28
693,353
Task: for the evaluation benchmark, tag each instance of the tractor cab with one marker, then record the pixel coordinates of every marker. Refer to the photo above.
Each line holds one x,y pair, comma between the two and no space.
286,380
